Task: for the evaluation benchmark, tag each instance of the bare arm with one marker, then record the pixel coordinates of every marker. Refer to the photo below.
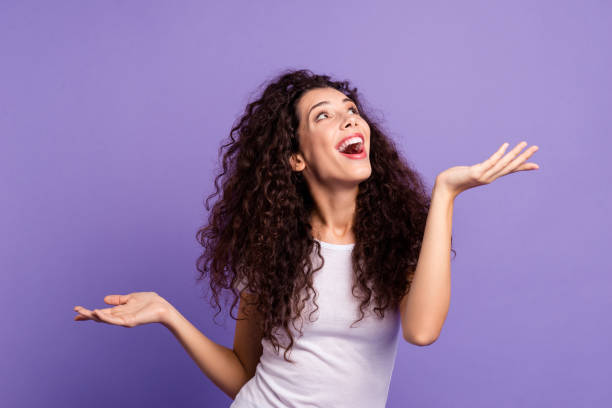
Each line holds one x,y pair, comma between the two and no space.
228,369
424,308
248,335
217,362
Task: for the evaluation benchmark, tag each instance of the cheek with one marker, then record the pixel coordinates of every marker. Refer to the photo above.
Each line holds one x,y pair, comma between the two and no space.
318,154
311,151
369,133
320,142
317,151
365,125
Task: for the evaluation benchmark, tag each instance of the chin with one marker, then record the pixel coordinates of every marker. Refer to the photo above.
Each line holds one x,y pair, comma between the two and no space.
366,175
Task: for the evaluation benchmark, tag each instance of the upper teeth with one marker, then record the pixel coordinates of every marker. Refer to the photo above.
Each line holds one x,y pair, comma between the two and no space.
347,142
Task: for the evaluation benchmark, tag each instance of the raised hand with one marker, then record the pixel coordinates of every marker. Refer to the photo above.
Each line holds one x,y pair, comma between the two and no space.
131,310
460,178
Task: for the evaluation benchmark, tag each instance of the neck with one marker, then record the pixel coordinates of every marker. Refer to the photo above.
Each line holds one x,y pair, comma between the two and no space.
333,215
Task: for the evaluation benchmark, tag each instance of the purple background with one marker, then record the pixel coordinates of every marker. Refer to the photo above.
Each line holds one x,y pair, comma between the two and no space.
111,115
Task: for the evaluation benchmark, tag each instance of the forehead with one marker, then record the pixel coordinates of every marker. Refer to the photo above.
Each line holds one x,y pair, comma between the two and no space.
314,96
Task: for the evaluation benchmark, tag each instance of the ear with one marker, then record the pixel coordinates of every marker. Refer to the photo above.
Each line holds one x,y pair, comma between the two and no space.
297,162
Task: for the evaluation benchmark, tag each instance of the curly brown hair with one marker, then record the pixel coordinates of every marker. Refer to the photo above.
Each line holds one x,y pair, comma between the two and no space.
259,232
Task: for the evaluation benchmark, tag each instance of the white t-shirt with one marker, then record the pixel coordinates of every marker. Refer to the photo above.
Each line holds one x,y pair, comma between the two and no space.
336,365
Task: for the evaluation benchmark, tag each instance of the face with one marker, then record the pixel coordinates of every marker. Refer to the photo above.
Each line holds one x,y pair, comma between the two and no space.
327,117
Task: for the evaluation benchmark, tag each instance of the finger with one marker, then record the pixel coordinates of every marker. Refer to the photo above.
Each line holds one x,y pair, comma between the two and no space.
500,166
494,158
109,318
99,315
527,166
116,299
80,309
90,314
107,309
83,311
514,164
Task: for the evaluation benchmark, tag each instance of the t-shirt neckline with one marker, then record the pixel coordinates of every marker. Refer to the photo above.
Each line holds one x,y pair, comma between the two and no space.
335,246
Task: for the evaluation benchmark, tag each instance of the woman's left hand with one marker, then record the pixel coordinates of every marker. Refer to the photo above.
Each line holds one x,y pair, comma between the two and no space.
460,178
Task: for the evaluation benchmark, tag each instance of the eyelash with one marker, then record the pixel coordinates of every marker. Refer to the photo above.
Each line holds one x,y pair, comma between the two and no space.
354,108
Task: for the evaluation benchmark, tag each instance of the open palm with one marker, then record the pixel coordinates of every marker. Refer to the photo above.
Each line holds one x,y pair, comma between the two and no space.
131,310
460,178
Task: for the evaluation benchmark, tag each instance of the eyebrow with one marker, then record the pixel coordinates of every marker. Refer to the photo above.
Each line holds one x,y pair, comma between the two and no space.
324,102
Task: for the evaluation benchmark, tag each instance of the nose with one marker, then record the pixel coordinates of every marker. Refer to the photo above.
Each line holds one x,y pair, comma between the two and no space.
349,121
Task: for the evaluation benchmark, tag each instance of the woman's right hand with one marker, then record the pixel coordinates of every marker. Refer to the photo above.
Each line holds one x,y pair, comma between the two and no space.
131,310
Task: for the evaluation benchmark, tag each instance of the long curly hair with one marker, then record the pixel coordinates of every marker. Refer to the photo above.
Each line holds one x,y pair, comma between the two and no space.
259,230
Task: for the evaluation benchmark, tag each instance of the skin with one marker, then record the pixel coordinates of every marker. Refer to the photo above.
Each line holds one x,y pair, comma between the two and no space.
131,310
425,307
333,181
332,178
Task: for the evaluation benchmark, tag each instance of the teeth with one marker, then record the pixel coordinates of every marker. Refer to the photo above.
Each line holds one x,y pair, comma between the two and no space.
348,142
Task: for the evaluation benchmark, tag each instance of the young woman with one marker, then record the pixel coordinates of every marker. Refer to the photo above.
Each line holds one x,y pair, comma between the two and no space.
329,242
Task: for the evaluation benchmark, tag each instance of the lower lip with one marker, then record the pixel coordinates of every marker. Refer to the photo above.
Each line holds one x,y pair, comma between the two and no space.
361,155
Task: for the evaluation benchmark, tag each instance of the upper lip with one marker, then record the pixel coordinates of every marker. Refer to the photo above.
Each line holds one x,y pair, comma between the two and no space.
348,137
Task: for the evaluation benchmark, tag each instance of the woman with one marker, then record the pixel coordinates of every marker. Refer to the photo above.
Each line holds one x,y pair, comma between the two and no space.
329,242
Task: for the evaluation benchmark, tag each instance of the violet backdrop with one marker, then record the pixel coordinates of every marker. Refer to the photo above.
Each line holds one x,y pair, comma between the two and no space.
111,116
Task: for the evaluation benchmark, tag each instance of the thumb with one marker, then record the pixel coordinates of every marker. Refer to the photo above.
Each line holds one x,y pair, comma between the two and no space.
115,299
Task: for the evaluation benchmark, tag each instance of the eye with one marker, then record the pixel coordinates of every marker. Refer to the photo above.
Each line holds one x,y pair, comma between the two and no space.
354,108
322,113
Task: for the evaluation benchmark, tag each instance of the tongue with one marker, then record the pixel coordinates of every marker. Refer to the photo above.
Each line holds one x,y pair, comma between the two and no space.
353,148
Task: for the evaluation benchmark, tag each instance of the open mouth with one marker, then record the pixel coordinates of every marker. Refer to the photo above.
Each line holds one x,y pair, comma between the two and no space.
353,145
354,148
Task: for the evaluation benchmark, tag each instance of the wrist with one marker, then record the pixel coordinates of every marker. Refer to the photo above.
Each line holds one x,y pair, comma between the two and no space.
441,189
168,315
